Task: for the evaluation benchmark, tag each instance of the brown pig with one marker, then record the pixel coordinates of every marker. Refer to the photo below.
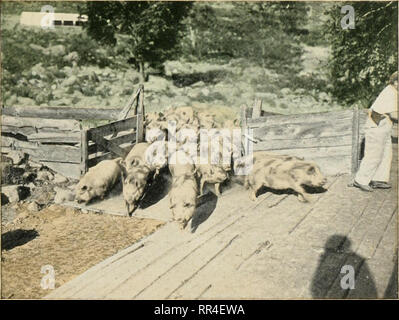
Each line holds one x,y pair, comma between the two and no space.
98,180
208,173
184,191
283,172
136,156
134,183
183,199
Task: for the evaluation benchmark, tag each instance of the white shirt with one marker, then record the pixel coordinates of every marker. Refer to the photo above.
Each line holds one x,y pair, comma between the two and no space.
387,102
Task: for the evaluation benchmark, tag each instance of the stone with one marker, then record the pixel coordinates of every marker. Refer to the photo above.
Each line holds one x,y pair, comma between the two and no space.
34,165
72,56
70,81
4,199
44,175
58,179
57,50
16,156
15,193
33,206
63,195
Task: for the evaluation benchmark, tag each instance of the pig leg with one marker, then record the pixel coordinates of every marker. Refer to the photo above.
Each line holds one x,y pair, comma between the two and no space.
217,189
202,187
302,196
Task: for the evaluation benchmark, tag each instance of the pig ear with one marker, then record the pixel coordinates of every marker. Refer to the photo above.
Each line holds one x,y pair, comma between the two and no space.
311,170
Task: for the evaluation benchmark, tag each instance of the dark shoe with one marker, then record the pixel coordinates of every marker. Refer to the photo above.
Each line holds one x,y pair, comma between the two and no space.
362,187
380,185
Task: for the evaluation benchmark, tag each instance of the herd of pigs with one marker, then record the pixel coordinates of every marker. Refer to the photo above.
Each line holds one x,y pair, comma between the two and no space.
190,173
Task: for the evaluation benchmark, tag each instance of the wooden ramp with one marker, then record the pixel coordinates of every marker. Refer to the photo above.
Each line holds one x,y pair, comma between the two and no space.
276,247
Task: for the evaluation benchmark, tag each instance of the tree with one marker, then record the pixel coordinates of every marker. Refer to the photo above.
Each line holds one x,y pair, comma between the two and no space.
363,58
264,32
149,29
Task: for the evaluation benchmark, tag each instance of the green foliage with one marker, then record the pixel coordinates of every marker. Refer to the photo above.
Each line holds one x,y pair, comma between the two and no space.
263,32
363,58
151,29
16,7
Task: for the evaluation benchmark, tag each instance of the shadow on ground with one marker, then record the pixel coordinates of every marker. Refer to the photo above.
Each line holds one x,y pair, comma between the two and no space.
341,273
308,189
205,207
16,238
156,189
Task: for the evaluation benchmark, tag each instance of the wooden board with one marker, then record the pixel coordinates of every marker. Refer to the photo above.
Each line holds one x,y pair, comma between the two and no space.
113,127
29,126
55,137
304,143
303,130
127,138
62,113
300,118
69,170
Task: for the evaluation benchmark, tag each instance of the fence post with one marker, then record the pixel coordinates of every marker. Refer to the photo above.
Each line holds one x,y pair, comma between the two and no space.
84,151
257,110
244,139
140,116
355,141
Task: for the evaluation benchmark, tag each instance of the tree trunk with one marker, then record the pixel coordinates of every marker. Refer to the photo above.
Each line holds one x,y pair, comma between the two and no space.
142,72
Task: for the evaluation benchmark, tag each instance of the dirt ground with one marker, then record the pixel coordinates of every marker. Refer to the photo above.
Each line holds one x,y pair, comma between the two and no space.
67,239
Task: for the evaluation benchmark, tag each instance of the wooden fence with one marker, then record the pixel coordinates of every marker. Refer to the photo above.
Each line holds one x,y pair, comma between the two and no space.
55,136
331,139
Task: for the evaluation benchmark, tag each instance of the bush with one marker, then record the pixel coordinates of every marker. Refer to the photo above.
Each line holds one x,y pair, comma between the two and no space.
363,58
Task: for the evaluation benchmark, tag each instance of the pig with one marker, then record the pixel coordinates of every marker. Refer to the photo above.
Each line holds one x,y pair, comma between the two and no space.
181,163
183,198
184,191
98,180
208,173
155,127
136,156
283,172
206,120
134,183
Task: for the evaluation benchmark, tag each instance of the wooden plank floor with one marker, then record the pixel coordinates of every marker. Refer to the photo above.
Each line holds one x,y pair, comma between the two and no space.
276,247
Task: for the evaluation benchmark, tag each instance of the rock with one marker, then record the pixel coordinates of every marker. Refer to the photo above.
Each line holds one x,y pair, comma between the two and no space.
15,193
29,177
285,91
205,92
16,156
34,165
4,199
58,179
70,81
57,50
324,97
198,84
23,101
37,47
45,175
63,195
38,71
72,56
8,214
12,100
33,206
11,174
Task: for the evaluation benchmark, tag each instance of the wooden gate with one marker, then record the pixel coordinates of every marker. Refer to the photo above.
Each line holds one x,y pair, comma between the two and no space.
331,139
55,137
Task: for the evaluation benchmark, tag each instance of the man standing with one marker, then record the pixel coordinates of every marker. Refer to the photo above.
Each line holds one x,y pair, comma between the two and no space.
375,167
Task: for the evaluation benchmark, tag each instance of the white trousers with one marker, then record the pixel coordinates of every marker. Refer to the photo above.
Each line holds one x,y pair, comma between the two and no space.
376,164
